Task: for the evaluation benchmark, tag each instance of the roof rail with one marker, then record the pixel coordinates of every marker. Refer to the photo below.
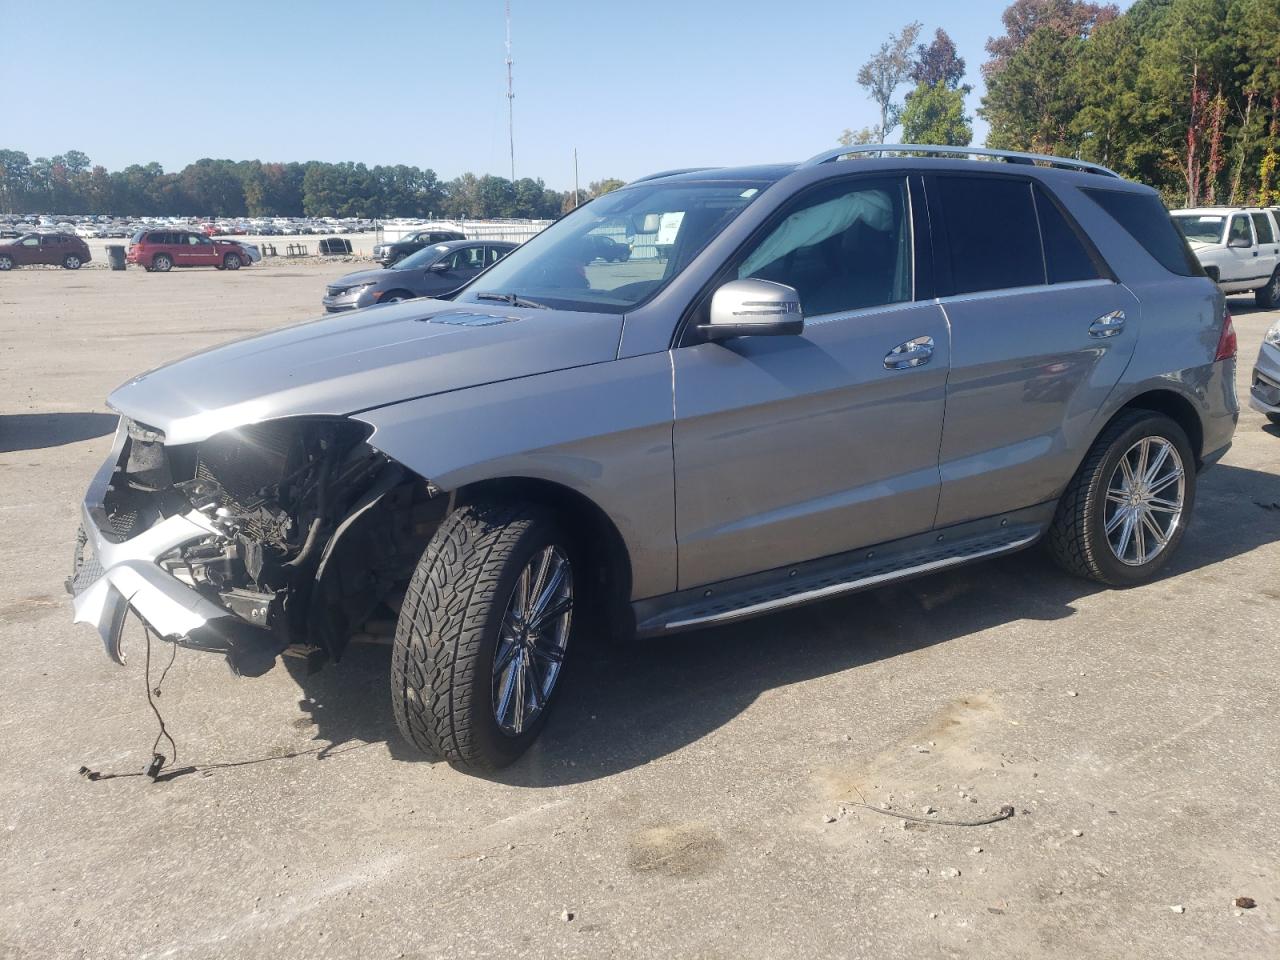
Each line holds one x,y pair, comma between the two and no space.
670,173
1008,156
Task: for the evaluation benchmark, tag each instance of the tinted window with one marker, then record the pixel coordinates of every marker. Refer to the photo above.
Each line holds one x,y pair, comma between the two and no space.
992,234
1239,231
1262,224
1145,219
1065,255
847,246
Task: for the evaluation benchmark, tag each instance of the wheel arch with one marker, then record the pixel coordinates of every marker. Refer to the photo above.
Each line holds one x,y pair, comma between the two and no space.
1174,406
603,547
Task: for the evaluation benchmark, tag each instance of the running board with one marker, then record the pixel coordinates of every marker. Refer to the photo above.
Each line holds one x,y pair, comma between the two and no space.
864,569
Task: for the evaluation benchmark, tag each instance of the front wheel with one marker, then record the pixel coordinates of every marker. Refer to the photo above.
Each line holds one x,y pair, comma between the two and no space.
71,262
483,634
1268,296
231,261
1125,511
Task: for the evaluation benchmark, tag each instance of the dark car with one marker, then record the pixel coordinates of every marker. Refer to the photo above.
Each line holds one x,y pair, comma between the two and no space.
428,273
389,253
162,250
56,249
606,248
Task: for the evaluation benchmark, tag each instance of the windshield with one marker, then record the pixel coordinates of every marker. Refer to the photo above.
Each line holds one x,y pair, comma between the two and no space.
420,259
1207,229
618,250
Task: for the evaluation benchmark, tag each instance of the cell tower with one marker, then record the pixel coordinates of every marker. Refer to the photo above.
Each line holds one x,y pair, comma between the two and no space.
511,127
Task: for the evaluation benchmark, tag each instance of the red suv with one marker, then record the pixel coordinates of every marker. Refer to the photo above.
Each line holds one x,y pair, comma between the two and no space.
56,249
163,250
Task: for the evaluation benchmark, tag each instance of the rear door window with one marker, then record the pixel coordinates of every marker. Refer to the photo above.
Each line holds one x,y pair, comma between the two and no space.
1262,224
992,236
1066,258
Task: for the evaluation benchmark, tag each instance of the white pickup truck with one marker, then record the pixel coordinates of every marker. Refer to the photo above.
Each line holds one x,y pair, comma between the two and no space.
1239,247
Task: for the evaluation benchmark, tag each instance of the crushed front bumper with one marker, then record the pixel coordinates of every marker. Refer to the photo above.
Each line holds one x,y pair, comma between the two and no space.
112,575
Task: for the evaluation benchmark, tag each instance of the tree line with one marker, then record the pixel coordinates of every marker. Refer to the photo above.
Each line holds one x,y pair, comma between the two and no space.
70,184
1183,95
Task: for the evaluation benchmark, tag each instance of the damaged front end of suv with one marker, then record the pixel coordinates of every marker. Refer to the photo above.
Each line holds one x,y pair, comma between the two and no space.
284,536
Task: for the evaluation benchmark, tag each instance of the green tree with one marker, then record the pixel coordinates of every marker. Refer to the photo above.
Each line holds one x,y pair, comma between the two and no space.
600,187
935,114
887,70
1033,99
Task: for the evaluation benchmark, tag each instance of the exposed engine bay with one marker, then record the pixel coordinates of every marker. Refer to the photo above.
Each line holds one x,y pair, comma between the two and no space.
308,532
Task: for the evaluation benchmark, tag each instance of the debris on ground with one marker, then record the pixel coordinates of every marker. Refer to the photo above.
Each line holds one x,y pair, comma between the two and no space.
1245,903
566,915
1178,908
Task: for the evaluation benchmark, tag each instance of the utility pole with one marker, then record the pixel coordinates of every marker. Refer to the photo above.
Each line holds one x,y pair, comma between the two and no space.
511,127
575,178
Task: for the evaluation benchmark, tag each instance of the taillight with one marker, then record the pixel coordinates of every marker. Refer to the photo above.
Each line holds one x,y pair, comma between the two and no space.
1227,339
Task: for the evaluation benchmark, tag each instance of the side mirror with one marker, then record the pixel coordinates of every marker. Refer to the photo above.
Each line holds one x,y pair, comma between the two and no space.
441,267
1240,242
753,308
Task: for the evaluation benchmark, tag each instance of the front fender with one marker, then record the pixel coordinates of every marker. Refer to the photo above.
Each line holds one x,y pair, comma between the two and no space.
602,430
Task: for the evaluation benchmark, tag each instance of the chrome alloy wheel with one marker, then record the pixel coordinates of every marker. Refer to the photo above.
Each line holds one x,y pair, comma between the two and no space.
1145,498
531,645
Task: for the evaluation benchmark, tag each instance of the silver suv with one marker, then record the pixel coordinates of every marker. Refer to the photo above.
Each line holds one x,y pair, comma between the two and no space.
807,379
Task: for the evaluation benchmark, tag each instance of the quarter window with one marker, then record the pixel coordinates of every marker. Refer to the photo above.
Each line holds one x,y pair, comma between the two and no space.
848,246
992,235
1144,218
1262,224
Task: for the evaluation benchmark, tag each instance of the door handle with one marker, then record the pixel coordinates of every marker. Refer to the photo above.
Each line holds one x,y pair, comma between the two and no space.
1108,325
913,353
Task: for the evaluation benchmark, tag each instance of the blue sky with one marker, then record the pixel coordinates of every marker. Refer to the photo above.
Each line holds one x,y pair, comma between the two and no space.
635,86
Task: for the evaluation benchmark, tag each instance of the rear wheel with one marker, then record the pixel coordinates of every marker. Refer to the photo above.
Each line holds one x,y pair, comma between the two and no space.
71,262
1124,513
483,634
6,262
162,263
231,261
1268,296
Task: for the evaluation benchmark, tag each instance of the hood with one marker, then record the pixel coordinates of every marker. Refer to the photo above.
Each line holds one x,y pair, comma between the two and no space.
364,276
361,359
1198,245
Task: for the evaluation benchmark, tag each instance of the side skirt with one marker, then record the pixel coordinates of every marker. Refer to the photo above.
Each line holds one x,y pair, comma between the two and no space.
862,569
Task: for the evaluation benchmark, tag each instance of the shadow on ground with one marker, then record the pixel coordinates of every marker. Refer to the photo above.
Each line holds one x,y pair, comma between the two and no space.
36,431
624,707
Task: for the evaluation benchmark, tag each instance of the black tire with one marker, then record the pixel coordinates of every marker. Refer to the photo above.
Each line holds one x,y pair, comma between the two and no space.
6,262
231,261
395,296
1268,296
1274,418
161,263
1077,539
71,262
442,667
